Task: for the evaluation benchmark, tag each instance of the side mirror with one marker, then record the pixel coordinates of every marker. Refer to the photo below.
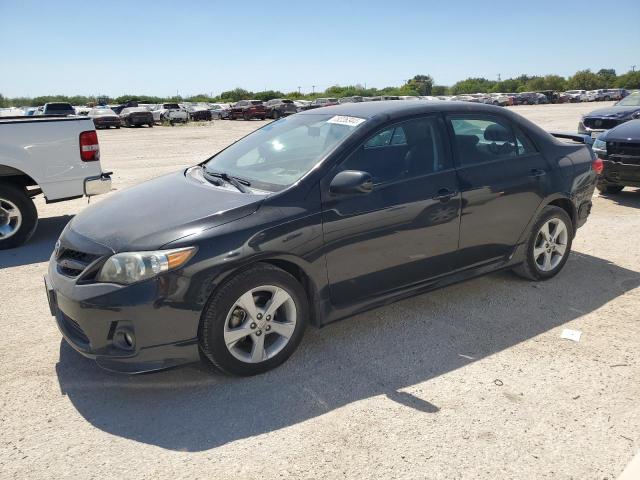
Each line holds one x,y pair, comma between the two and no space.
351,182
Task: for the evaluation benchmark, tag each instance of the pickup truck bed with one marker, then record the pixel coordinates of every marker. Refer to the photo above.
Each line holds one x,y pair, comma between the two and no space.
56,156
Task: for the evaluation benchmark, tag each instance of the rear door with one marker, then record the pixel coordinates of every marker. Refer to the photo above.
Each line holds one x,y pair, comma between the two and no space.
503,179
406,229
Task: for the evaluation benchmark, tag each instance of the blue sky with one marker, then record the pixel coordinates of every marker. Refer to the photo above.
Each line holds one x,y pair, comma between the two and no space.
157,47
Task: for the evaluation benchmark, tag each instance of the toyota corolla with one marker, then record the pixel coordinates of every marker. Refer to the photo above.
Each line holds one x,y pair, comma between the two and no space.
310,219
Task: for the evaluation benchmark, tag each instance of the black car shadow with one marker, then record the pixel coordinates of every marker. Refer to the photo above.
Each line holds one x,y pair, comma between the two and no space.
39,247
377,353
629,197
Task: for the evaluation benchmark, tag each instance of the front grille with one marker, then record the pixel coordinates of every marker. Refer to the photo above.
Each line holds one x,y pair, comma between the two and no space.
73,329
72,263
600,123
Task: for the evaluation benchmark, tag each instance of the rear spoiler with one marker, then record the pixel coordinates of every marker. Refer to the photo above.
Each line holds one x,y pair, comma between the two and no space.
576,137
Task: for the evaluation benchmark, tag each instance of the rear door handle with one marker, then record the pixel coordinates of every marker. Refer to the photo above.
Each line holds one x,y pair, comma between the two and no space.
444,195
536,172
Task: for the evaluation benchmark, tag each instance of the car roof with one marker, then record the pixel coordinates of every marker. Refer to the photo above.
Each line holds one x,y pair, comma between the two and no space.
394,108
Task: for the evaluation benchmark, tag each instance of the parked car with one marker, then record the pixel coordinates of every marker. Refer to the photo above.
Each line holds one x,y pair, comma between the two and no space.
280,107
199,112
300,104
57,108
136,117
320,102
248,109
58,157
577,95
603,119
319,216
219,111
529,98
104,118
169,112
619,149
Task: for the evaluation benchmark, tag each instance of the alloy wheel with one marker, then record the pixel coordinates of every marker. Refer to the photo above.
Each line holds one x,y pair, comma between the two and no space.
550,246
10,219
260,324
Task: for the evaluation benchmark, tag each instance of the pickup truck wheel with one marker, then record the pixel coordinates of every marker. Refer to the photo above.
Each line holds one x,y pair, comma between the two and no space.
548,246
18,217
610,188
254,321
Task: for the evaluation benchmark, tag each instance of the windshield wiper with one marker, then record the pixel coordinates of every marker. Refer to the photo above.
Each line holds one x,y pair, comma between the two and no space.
239,183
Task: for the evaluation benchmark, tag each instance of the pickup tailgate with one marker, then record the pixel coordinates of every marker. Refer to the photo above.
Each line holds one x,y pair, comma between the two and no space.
48,149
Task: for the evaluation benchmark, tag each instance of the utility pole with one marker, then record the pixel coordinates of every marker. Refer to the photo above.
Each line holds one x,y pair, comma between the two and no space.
313,89
499,78
633,68
299,90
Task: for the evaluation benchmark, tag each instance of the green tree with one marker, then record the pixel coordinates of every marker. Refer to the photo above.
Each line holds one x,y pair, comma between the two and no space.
4,102
608,76
630,79
586,80
472,85
236,95
420,84
438,90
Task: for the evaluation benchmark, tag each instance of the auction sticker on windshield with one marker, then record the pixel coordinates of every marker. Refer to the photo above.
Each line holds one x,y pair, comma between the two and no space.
346,120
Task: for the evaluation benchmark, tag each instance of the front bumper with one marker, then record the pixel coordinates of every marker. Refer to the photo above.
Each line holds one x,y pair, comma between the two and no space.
617,173
93,318
97,185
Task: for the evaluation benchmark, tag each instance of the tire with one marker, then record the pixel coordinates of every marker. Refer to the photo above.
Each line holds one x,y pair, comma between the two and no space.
531,268
117,127
246,117
18,217
606,99
275,114
223,309
610,189
150,125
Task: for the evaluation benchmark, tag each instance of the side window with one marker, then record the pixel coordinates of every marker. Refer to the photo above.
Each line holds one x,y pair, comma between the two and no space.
405,150
481,139
523,144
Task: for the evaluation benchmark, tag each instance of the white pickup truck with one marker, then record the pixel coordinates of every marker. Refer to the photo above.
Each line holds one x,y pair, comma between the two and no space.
56,156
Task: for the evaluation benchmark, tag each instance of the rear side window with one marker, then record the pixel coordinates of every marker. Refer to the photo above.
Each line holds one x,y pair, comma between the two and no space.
405,150
481,139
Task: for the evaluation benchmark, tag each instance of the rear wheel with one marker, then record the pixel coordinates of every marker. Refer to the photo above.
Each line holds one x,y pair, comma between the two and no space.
18,217
548,246
610,188
254,322
247,116
275,115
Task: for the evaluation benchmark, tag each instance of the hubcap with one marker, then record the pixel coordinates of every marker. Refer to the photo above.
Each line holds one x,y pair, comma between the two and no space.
550,246
260,324
10,219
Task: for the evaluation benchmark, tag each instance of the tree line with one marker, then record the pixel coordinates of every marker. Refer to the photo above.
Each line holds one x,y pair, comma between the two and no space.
418,85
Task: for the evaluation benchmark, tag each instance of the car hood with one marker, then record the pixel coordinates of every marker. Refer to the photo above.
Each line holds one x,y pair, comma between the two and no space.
614,111
154,213
627,132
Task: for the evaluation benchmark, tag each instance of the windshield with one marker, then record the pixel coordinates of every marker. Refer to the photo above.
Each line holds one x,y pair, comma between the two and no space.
171,106
632,100
102,111
280,153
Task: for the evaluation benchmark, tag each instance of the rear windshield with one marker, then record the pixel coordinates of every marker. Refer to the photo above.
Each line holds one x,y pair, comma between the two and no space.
59,108
256,102
287,101
172,106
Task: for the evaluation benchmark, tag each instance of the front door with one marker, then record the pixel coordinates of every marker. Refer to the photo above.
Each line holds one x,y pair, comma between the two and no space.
406,229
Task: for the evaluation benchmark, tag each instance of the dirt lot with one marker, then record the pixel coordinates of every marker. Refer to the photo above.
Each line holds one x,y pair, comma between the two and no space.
472,381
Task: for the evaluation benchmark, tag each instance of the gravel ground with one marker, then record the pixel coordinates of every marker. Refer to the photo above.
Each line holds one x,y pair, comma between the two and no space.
472,381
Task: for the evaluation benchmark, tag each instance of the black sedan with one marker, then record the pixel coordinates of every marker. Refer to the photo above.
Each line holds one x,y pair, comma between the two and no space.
104,118
603,119
280,107
136,117
619,149
308,220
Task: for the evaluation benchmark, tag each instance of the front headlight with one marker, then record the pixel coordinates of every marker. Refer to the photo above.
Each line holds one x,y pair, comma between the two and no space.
131,267
599,146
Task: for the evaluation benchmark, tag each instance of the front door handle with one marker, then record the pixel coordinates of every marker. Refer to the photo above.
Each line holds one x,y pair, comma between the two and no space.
536,172
444,195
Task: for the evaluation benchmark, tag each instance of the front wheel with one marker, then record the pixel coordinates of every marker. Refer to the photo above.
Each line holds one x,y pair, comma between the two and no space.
18,217
254,322
548,246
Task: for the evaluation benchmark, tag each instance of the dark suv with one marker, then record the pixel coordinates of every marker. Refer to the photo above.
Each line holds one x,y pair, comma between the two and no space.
248,109
280,107
619,149
311,219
